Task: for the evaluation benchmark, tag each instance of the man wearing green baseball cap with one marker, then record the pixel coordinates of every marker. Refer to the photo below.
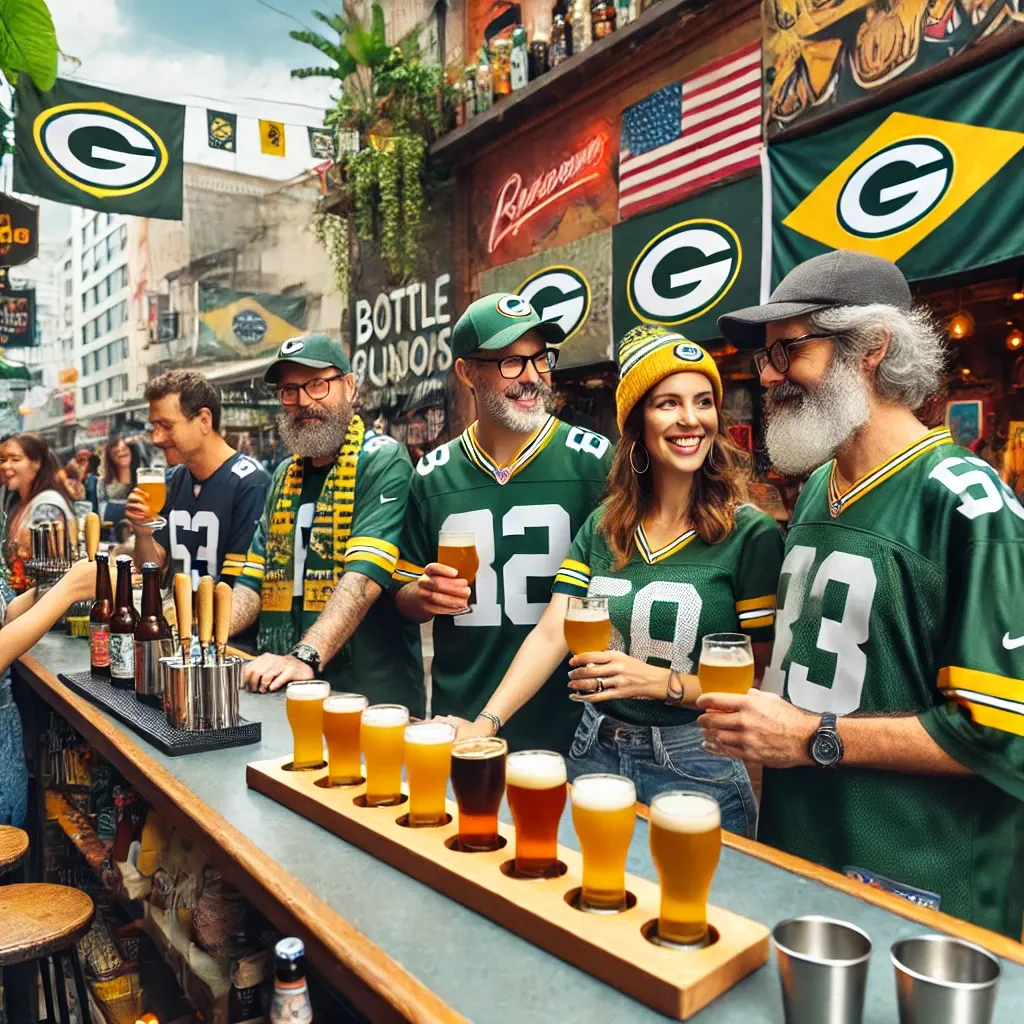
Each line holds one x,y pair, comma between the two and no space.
514,487
322,557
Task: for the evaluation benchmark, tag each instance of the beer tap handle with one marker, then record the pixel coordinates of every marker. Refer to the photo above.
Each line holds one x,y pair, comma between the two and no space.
221,617
205,615
183,613
92,535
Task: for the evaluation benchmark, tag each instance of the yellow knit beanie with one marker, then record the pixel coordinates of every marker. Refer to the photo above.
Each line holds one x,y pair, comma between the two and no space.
650,353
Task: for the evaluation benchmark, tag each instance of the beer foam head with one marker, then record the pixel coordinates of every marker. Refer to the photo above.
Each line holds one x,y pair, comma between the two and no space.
345,703
479,748
603,792
535,769
685,812
456,539
385,715
587,614
429,732
727,657
310,690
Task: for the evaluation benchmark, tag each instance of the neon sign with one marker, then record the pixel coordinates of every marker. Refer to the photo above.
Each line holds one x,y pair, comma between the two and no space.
517,204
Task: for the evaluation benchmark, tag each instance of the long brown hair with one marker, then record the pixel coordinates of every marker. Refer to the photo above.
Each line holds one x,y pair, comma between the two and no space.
110,471
37,450
719,486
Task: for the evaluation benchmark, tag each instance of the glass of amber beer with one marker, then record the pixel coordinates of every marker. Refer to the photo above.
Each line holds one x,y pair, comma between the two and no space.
603,812
458,549
686,839
304,705
536,797
342,715
381,735
587,627
726,663
153,484
428,760
478,778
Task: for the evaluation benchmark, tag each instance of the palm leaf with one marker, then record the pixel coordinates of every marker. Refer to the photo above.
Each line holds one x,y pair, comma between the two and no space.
344,60
28,42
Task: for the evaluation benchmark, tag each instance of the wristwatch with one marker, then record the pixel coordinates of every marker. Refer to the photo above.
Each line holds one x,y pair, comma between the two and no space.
308,655
825,747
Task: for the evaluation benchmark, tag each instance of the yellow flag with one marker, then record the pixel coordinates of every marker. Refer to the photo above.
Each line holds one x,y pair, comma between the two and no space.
272,138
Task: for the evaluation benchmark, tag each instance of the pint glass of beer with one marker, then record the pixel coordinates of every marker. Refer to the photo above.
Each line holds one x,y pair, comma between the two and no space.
381,735
603,812
478,778
153,484
726,663
428,760
304,704
586,625
686,839
536,797
458,549
342,715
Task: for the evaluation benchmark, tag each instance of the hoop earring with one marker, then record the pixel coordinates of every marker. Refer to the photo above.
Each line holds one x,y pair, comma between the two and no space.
632,464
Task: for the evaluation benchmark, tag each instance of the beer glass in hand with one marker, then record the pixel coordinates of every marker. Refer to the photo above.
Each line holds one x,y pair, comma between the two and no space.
458,549
153,484
304,703
342,716
428,760
587,627
536,797
603,812
686,839
726,663
381,734
478,778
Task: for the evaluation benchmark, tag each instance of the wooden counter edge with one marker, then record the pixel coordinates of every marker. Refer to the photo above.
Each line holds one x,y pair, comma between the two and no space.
995,943
391,989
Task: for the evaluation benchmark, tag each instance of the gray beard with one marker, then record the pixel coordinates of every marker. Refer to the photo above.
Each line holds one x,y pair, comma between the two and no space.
320,439
808,429
499,407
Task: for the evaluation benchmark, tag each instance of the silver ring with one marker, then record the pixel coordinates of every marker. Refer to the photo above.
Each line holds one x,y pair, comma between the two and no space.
600,684
711,747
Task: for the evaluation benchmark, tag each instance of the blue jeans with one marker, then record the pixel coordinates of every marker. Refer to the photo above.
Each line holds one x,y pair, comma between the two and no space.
13,773
657,759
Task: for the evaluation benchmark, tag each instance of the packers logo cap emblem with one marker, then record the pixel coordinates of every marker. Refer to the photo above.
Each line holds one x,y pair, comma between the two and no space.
560,294
514,305
688,351
291,346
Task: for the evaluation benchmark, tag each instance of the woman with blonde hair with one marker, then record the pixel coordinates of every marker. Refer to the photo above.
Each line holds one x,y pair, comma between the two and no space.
678,555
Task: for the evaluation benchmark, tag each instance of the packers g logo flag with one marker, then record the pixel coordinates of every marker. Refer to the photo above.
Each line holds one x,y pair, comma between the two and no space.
934,182
102,150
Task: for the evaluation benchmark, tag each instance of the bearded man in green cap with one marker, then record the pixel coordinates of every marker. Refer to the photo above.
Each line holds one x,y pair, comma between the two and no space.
317,576
521,483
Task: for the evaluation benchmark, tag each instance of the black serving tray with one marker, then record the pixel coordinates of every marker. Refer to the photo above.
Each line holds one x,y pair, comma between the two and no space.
151,724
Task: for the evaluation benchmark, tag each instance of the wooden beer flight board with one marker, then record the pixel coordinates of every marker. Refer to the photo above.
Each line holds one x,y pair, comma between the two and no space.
611,947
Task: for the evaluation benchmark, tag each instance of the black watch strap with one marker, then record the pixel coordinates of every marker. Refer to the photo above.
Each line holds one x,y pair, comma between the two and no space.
308,655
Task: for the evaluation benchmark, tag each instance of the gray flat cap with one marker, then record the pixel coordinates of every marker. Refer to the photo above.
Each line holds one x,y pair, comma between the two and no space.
838,278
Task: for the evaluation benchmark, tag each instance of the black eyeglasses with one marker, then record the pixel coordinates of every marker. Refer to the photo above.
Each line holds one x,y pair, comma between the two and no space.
511,367
777,353
317,388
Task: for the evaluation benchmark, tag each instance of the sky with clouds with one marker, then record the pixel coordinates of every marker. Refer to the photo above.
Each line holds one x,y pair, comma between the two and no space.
231,55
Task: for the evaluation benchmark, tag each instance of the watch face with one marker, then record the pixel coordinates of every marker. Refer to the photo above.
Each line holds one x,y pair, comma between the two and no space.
826,749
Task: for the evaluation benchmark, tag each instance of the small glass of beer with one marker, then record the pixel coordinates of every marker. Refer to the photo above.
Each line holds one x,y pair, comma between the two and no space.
603,813
381,735
342,715
153,484
304,704
686,839
587,627
478,778
726,663
536,797
428,761
458,549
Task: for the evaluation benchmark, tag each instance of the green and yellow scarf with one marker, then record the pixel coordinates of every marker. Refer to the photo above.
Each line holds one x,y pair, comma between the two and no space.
325,560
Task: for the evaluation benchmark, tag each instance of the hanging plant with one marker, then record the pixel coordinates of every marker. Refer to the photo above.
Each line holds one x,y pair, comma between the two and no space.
331,232
391,242
412,152
363,170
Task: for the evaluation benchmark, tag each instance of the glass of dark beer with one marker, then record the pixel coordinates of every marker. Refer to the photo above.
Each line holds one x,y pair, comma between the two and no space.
478,778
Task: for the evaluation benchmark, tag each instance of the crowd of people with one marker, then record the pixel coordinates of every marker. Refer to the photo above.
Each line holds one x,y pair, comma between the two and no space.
887,713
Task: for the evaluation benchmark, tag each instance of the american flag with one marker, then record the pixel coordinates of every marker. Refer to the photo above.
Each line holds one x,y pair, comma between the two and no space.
690,133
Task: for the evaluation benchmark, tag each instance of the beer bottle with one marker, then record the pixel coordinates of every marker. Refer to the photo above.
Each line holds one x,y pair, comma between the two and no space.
291,996
152,639
99,620
122,628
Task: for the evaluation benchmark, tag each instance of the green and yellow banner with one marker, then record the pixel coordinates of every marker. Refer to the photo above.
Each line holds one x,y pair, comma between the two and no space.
934,182
246,324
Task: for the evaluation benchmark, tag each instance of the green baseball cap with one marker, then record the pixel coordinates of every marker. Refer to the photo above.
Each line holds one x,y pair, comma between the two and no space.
497,320
314,350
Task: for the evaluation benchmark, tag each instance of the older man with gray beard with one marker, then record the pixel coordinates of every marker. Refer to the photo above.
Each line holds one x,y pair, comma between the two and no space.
326,546
891,725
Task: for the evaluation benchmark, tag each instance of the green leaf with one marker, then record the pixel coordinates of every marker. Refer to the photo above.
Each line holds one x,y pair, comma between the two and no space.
28,42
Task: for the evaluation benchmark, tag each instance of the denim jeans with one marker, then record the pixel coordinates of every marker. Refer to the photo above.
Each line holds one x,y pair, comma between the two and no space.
657,759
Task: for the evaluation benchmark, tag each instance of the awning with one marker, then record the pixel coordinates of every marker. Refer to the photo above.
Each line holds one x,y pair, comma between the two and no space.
428,393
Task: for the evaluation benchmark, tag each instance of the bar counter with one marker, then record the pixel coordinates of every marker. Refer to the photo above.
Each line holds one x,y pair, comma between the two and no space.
399,950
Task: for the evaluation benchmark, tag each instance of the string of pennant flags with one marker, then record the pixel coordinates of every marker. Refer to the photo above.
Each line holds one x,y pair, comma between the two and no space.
222,134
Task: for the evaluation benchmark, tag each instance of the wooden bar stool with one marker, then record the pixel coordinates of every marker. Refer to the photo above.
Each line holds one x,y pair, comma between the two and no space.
13,847
42,923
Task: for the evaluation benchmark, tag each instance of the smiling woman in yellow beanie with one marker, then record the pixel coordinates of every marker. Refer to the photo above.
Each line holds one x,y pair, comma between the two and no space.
678,556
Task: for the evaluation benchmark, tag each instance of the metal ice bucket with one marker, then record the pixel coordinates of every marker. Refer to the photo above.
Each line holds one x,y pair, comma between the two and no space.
149,686
220,683
183,693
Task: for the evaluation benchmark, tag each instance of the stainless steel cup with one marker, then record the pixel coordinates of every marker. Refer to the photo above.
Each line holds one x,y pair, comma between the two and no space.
148,680
942,980
221,682
183,693
823,965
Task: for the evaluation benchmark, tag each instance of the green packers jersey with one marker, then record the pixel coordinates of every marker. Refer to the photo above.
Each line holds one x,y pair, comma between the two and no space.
662,603
902,596
524,516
